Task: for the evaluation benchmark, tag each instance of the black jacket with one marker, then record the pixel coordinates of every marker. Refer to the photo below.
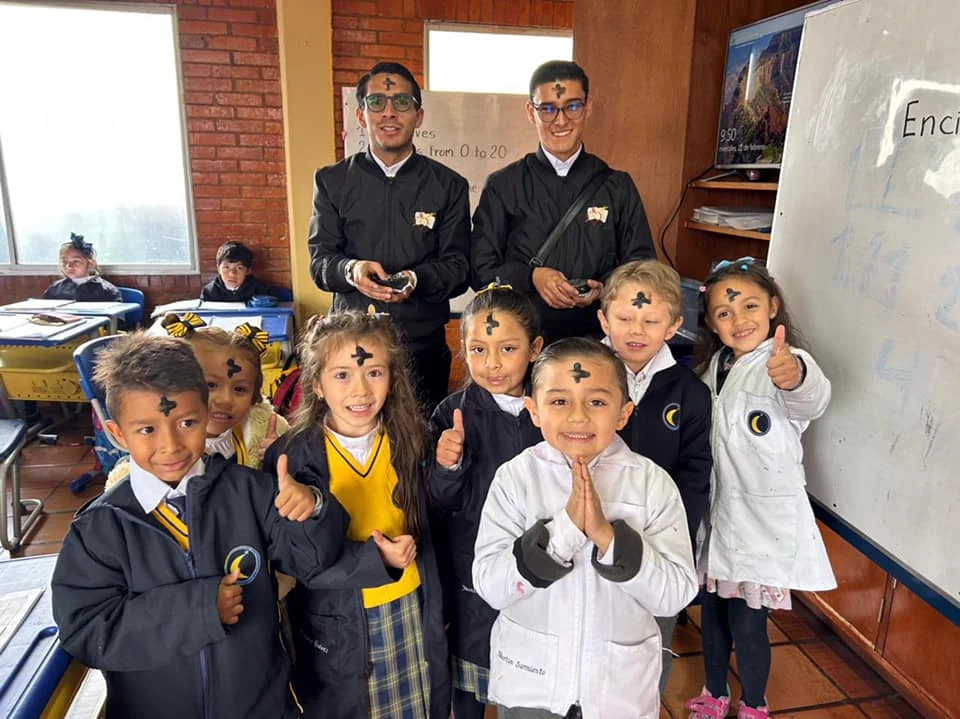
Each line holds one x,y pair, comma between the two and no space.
329,620
216,291
492,437
522,203
418,220
679,441
128,600
96,289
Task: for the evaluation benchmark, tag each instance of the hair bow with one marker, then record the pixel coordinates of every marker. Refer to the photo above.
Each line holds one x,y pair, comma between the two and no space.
85,248
372,312
184,325
254,335
495,285
742,263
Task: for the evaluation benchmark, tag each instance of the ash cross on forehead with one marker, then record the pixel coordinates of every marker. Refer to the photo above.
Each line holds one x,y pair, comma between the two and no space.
492,324
232,367
559,90
166,405
389,82
732,294
579,372
640,300
361,356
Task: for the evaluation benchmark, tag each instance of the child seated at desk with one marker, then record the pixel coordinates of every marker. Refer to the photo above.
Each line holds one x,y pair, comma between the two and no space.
163,581
235,281
81,282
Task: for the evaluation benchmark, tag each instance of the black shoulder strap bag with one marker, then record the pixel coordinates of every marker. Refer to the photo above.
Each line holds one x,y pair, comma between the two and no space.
575,209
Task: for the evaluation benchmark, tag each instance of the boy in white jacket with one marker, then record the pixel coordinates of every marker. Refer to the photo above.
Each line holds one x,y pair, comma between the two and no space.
581,543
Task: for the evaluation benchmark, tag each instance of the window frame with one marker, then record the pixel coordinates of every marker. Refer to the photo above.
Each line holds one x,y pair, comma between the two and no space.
13,267
448,26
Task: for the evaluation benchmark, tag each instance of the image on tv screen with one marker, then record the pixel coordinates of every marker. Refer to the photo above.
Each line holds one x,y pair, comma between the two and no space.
757,88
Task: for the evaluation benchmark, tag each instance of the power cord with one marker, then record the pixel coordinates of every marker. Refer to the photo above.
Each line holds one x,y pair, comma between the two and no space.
676,210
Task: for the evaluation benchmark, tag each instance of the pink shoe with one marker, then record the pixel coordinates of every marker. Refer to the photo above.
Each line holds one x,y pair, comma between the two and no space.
745,712
706,706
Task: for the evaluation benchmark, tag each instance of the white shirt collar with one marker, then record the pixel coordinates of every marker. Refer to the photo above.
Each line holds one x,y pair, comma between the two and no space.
509,404
639,382
390,170
83,280
358,447
222,444
150,491
562,167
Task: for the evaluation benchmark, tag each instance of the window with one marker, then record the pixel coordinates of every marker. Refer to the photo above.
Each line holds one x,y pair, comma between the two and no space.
465,58
92,137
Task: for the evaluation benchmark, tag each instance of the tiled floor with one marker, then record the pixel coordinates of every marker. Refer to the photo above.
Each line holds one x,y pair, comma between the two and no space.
814,676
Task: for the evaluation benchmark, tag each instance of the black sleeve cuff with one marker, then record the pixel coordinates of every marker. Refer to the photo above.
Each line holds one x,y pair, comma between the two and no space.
533,562
803,373
627,554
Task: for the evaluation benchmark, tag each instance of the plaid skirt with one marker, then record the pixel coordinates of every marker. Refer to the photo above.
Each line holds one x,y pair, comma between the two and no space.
470,677
399,680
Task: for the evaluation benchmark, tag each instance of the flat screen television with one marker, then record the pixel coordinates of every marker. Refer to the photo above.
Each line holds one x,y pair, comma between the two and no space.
757,88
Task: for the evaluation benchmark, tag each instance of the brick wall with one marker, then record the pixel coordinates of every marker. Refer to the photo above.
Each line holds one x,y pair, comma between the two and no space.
367,31
231,84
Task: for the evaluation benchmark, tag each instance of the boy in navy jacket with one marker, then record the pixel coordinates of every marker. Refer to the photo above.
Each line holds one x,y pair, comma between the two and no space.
163,582
641,309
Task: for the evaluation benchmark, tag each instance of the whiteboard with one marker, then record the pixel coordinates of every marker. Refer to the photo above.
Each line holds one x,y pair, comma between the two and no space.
473,134
866,243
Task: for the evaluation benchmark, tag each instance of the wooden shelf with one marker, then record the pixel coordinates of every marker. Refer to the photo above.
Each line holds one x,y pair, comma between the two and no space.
717,229
735,185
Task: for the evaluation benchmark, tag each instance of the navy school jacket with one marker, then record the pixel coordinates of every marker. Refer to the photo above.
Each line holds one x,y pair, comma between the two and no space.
129,601
96,289
216,291
671,426
492,437
329,621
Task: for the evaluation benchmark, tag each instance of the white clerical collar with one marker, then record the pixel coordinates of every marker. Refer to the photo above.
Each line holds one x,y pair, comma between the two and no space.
390,170
562,167
221,444
150,491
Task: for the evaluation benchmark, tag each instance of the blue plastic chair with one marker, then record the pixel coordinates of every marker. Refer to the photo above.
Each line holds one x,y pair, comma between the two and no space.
283,294
105,447
134,317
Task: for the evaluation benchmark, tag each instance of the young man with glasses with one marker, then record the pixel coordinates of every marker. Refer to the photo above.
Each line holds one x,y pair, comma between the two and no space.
523,202
391,227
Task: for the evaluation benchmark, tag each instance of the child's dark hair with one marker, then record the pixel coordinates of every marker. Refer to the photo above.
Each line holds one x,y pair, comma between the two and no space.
573,348
558,71
393,68
234,251
205,335
503,298
751,270
400,415
138,361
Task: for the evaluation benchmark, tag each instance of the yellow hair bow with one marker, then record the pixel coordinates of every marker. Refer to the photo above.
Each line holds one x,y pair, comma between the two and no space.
495,285
254,335
185,324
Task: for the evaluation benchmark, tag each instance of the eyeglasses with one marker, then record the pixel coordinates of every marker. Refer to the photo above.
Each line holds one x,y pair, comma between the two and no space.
402,102
549,112
742,263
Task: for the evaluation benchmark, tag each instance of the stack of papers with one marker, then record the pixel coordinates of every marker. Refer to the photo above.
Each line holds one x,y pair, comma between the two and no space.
740,218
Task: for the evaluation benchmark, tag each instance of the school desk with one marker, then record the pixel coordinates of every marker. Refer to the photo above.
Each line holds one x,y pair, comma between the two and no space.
114,311
37,677
36,361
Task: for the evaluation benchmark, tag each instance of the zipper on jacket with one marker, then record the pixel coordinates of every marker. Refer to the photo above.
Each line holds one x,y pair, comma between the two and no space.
204,660
581,631
388,219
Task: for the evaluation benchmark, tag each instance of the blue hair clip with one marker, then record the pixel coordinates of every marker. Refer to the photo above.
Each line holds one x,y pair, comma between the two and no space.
85,248
742,263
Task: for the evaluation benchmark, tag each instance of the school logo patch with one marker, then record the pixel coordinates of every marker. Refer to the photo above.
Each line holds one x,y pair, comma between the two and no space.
425,219
246,559
597,214
671,416
758,422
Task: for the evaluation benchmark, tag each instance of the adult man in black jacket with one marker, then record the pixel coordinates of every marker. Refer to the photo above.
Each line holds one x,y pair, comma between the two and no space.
392,216
522,203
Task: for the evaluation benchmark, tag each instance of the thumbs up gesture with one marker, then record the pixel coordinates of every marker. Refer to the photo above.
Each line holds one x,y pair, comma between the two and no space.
230,598
450,446
270,437
294,501
398,552
783,367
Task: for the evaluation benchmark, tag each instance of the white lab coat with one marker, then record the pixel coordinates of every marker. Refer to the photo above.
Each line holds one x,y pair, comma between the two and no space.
584,638
761,526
